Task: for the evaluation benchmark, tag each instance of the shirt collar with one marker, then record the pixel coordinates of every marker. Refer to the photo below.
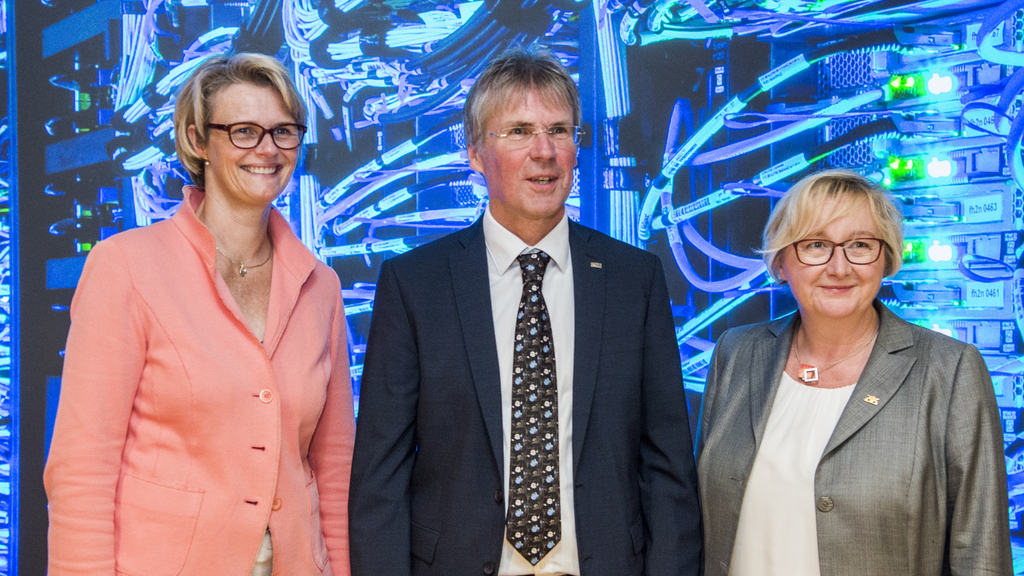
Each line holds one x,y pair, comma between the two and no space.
504,247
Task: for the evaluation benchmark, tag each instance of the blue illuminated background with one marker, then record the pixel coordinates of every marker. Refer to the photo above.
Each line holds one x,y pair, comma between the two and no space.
698,114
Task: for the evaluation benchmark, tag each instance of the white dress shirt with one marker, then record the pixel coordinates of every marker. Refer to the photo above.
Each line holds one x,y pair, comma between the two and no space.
778,529
506,282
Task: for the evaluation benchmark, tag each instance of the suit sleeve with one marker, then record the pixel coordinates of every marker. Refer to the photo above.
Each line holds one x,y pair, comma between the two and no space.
979,536
330,452
379,502
103,363
668,477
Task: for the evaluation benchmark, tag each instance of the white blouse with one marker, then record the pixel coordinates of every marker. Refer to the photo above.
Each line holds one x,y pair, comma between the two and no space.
777,532
264,565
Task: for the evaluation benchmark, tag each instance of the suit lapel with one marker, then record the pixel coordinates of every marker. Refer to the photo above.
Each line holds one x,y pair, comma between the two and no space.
882,377
769,360
589,302
473,301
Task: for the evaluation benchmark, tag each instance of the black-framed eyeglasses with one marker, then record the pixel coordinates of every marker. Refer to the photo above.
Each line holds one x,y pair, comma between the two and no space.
246,135
816,251
521,136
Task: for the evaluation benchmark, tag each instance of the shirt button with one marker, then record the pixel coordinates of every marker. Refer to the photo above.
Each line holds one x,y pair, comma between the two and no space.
488,568
276,504
498,496
266,396
825,504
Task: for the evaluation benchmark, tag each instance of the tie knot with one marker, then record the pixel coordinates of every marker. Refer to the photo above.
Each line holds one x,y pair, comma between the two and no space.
533,265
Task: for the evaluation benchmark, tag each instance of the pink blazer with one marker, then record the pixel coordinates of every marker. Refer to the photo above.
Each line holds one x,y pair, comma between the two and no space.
179,437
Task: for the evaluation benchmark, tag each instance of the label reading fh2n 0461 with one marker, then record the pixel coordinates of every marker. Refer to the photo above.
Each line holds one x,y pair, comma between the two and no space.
983,294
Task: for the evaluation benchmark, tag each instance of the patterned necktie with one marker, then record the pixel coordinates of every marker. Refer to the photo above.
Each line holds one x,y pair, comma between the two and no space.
534,514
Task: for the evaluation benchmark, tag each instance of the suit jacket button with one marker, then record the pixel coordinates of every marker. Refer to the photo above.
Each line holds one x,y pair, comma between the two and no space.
825,504
488,568
498,496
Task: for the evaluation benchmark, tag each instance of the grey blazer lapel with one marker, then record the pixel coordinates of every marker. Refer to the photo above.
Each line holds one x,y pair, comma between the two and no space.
589,296
768,361
473,301
882,377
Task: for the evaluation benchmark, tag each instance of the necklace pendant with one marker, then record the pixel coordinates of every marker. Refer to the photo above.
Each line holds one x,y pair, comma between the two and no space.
242,271
808,373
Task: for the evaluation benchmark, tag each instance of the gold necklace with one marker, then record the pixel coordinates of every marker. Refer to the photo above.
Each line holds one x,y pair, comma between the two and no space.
242,268
809,373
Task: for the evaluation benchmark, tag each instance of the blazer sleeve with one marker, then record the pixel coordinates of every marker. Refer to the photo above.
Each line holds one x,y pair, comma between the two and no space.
711,385
668,476
979,536
379,503
103,363
330,452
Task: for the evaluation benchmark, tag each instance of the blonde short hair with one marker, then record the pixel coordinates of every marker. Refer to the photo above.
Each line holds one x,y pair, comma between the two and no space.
195,99
798,215
511,74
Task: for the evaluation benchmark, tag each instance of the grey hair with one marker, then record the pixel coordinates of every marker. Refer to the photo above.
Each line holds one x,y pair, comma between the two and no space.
513,72
798,215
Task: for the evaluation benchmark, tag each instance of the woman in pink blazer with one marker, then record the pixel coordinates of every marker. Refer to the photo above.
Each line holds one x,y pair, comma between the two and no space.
205,423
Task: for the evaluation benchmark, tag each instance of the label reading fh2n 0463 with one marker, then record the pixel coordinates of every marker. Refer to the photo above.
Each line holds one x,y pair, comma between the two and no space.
987,208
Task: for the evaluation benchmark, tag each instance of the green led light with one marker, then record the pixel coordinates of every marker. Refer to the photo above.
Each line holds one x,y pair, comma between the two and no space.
908,169
914,251
905,86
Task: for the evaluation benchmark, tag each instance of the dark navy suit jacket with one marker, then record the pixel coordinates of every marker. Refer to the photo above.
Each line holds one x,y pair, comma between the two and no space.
427,478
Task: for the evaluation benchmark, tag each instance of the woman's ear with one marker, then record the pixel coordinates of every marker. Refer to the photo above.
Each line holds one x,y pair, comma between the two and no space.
193,138
779,269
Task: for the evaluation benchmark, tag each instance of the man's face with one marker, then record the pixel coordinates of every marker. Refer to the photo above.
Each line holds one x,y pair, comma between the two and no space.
528,182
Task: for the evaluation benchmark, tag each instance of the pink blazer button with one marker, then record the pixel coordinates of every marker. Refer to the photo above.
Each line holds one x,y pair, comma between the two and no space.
266,396
276,504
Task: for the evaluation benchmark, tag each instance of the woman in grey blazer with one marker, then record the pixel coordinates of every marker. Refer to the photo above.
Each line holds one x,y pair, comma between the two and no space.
843,440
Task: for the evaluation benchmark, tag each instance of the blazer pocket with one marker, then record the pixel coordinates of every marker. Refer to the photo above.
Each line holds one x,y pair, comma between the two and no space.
423,542
316,528
154,527
636,533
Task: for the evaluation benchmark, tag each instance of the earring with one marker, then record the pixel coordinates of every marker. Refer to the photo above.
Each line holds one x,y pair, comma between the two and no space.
206,161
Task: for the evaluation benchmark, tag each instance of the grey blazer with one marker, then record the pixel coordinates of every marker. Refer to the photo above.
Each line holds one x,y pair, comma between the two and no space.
914,485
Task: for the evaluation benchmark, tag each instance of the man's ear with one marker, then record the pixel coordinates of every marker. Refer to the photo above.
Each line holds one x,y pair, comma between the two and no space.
476,162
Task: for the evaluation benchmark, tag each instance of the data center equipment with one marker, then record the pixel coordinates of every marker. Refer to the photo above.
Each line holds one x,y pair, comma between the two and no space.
698,115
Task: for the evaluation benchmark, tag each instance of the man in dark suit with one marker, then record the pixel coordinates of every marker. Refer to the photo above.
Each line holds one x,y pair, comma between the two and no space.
522,407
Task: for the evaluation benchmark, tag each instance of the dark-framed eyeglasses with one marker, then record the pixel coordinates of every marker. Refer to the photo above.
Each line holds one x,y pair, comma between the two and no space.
817,251
521,136
246,135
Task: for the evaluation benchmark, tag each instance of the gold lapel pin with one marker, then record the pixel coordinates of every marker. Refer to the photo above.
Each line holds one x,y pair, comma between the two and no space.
873,400
595,264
